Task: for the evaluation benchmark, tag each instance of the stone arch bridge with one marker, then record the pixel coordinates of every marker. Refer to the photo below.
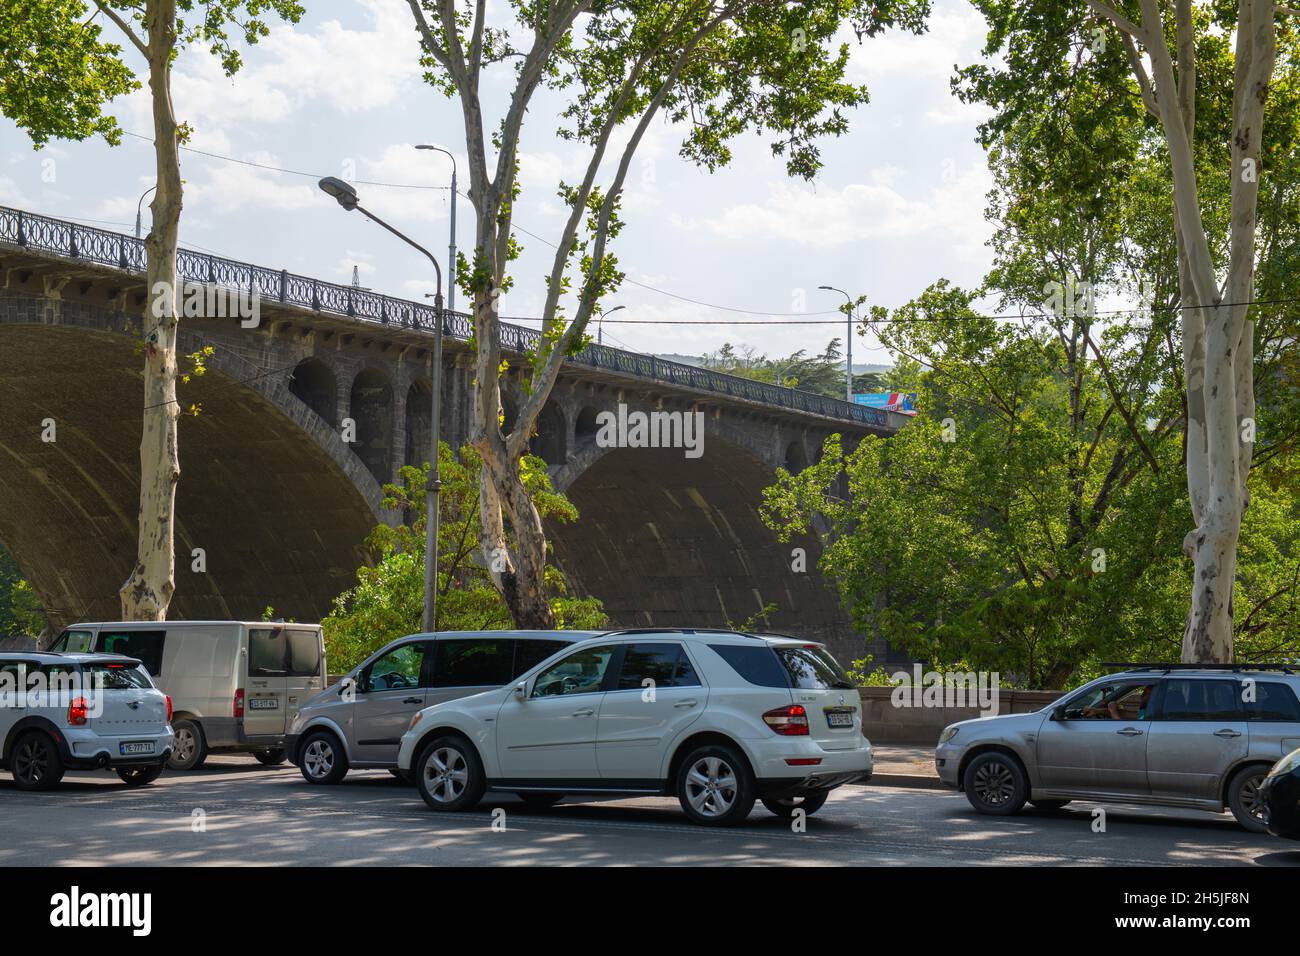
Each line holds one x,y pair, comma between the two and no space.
280,503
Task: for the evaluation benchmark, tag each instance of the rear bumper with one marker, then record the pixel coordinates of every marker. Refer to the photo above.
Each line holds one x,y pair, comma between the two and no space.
779,777
83,750
777,787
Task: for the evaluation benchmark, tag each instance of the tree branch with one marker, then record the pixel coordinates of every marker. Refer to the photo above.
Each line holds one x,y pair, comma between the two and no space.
125,27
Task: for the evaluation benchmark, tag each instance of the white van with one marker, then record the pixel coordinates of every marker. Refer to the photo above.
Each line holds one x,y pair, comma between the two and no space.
235,686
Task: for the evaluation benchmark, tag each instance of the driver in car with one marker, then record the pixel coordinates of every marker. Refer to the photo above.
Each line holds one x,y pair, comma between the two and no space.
1108,707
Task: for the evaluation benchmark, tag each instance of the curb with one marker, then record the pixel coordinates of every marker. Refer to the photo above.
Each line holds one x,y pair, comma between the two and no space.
912,781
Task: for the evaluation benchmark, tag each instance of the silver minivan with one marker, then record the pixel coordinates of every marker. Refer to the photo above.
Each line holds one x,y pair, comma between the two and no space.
1169,735
235,685
359,722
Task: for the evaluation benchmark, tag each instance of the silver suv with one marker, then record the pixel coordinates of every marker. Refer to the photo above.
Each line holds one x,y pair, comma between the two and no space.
1201,737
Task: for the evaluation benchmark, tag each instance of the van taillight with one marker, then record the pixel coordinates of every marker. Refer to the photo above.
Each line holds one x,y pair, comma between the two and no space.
789,721
239,702
169,708
77,712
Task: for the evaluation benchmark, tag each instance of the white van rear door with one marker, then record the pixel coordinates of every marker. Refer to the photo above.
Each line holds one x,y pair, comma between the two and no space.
266,699
306,668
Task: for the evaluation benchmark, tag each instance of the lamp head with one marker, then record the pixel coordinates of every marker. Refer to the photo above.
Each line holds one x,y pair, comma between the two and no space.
344,193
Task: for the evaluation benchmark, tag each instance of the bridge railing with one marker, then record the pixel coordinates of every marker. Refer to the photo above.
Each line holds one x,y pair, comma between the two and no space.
87,243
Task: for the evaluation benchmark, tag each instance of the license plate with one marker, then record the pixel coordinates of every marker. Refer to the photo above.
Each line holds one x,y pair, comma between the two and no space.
839,718
134,748
264,703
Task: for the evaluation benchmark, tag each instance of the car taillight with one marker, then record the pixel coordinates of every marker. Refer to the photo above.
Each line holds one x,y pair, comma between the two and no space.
239,702
789,721
77,712
169,708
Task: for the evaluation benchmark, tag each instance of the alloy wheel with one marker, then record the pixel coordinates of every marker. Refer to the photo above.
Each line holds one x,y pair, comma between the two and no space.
318,758
994,784
446,774
711,786
186,744
1250,798
32,761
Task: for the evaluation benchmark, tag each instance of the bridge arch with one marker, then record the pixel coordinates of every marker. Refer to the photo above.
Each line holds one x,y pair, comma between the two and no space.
277,504
313,382
550,433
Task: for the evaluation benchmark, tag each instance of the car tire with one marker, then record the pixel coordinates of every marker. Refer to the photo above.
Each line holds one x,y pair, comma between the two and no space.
321,758
540,801
36,762
715,786
190,749
449,774
140,776
270,758
1049,806
809,803
1243,797
995,784
404,776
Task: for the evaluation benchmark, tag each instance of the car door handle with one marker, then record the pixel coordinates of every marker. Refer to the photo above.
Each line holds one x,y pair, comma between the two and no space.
1227,732
413,700
686,703
585,712
1130,732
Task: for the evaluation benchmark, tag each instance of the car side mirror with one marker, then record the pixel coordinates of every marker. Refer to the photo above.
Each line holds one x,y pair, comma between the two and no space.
1058,713
521,691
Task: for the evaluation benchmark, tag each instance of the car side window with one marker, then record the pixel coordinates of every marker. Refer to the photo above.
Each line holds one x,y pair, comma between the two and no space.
473,662
1186,699
1123,700
1270,701
399,669
144,646
658,663
582,672
529,653
304,653
268,654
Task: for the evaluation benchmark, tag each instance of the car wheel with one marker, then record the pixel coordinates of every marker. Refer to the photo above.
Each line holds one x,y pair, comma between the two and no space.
449,774
1244,799
809,803
996,784
321,758
35,762
140,776
715,786
190,749
270,758
403,775
540,801
1049,805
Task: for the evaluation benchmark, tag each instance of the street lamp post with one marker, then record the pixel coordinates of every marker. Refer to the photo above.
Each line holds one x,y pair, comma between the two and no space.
451,246
347,198
848,339
138,205
600,328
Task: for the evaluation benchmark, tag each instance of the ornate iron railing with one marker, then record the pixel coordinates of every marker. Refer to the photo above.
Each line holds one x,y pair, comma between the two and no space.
76,241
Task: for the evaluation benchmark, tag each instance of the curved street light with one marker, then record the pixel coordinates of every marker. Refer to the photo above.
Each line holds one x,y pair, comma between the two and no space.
599,321
451,246
348,199
138,206
848,340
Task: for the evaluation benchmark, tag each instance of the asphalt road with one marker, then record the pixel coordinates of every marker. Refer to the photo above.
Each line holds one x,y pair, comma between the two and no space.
236,812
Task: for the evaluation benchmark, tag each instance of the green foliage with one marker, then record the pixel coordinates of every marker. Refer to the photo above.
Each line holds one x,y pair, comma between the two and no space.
820,374
388,598
21,614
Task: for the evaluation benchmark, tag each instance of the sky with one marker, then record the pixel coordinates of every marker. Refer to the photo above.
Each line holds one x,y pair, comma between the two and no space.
898,204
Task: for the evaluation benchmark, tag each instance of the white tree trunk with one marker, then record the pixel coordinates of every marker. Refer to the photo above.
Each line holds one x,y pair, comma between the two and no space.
148,591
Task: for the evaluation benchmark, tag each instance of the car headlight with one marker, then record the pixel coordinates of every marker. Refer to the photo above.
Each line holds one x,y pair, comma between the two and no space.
948,734
419,716
1287,764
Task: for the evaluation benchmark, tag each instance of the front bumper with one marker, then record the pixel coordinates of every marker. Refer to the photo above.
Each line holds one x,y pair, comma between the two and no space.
1281,796
947,764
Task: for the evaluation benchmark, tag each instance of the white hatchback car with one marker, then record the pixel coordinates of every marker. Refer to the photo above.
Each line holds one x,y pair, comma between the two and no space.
717,718
63,712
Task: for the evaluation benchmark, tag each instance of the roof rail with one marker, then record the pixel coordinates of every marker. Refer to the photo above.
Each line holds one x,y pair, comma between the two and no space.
1285,668
629,631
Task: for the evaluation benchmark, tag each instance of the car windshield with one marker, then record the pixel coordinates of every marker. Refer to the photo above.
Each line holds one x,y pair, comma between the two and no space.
812,668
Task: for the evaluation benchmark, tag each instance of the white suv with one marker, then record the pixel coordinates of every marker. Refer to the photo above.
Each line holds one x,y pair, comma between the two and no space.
717,718
63,712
